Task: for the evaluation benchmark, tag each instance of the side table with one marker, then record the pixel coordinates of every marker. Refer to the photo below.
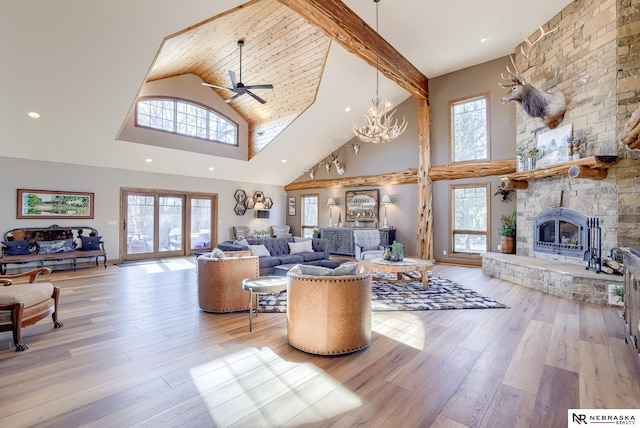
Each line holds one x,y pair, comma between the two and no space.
259,285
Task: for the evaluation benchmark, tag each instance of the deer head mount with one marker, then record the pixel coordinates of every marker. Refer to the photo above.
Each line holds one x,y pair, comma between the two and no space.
311,172
535,102
340,168
356,147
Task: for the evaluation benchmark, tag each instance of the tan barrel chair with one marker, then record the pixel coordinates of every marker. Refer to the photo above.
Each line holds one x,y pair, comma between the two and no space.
329,315
24,304
220,281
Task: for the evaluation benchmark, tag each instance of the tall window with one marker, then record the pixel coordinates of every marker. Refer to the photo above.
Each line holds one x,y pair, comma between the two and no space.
469,120
309,216
185,118
469,218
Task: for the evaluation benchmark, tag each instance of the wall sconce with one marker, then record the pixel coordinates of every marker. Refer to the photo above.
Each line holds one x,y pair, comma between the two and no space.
331,203
386,200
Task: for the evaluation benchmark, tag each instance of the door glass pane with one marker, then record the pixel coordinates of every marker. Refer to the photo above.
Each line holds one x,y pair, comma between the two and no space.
140,224
170,218
200,223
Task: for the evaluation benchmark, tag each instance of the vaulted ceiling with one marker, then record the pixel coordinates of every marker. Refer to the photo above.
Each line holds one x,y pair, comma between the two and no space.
82,64
280,48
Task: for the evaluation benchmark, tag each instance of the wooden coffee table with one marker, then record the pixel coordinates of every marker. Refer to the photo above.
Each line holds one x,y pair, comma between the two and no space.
403,269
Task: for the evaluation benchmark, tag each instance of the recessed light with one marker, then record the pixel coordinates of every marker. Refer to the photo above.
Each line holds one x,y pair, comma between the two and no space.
33,114
483,39
148,160
348,109
211,168
283,161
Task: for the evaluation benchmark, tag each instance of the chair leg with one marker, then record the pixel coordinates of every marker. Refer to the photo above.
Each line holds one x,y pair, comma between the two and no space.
16,321
54,315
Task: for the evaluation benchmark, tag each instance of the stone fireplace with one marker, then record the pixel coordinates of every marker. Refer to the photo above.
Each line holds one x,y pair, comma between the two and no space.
592,59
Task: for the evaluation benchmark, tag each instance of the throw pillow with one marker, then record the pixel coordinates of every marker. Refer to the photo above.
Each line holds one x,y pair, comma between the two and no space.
217,254
300,247
345,269
314,270
259,250
56,246
16,248
301,238
90,243
241,241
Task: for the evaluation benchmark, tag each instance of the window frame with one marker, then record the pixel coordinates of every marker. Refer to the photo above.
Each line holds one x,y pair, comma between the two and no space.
453,232
487,97
303,226
175,100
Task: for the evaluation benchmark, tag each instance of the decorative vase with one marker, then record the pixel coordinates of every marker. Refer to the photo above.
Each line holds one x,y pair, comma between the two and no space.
387,254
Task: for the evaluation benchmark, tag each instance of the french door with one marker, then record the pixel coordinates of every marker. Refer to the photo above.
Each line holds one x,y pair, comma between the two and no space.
166,224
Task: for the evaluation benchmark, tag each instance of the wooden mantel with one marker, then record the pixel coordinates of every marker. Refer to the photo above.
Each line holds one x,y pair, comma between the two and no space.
592,167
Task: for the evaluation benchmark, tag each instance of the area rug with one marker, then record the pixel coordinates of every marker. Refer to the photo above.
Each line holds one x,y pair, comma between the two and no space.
406,296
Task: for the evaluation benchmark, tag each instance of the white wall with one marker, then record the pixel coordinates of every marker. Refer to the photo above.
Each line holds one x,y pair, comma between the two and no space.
105,183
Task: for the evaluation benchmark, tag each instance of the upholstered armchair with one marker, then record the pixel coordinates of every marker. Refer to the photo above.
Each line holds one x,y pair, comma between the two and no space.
25,304
328,315
367,244
220,281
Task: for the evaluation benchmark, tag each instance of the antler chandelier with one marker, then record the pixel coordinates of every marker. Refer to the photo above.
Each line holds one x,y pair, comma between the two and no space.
380,126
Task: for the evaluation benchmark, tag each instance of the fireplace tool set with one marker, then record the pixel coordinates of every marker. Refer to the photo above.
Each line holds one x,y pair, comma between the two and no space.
593,256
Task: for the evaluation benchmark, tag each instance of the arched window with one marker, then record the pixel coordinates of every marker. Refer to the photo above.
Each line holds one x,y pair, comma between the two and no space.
185,118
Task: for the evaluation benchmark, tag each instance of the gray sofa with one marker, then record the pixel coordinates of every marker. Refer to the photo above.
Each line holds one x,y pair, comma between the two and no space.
279,253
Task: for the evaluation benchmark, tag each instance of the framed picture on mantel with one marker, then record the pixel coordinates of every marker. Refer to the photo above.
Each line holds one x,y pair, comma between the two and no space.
362,205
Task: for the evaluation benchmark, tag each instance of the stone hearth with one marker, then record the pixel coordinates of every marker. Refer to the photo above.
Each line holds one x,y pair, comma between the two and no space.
569,281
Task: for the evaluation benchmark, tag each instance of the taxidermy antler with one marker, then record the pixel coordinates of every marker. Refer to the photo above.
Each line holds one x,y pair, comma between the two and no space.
535,102
630,134
312,173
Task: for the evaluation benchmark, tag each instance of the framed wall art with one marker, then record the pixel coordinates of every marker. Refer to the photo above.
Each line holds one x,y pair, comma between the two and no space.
362,205
249,203
292,205
53,204
552,146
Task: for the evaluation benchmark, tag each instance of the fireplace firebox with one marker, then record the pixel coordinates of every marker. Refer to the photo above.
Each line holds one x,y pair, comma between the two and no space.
561,231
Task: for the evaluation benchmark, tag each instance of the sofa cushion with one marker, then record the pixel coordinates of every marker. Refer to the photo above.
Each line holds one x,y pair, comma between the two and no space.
29,294
217,253
232,246
16,248
287,259
300,247
259,250
268,262
276,246
309,257
56,246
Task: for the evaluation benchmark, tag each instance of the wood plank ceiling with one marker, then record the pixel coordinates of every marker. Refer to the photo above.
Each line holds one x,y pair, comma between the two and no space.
280,48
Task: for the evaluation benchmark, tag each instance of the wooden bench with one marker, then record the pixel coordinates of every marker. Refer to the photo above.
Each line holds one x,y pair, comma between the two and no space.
53,243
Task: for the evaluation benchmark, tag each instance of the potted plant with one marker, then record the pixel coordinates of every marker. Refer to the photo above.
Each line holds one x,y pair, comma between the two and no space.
508,233
316,232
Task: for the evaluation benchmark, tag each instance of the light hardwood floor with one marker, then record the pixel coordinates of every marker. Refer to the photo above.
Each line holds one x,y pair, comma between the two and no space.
135,350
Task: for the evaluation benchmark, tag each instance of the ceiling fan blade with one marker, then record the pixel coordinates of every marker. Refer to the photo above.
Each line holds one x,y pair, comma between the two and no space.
256,97
267,86
234,82
216,86
228,100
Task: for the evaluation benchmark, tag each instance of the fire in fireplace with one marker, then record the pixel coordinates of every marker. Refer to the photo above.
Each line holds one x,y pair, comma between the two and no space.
561,231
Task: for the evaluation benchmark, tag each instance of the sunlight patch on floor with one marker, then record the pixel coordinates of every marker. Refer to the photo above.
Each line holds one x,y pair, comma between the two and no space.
255,387
404,327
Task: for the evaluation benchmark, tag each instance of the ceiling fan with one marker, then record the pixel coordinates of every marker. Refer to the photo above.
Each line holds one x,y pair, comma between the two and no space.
238,87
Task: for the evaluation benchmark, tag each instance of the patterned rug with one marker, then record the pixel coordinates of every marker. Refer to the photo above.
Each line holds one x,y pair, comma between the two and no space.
405,296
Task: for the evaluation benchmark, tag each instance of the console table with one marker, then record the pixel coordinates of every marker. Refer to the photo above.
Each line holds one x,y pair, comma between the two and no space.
341,238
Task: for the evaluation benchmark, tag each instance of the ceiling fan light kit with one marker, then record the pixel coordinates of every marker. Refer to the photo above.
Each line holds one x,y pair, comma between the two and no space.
237,86
379,126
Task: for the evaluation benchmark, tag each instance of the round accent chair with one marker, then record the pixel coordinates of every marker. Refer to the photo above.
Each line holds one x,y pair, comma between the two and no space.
220,281
329,315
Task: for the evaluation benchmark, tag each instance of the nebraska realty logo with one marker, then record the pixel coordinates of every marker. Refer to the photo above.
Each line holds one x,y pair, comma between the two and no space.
582,417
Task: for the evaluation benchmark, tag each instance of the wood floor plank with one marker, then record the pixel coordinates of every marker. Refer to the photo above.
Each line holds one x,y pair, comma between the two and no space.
525,368
136,350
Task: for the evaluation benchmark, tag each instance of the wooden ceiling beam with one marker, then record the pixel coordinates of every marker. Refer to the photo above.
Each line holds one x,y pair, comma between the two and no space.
342,25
